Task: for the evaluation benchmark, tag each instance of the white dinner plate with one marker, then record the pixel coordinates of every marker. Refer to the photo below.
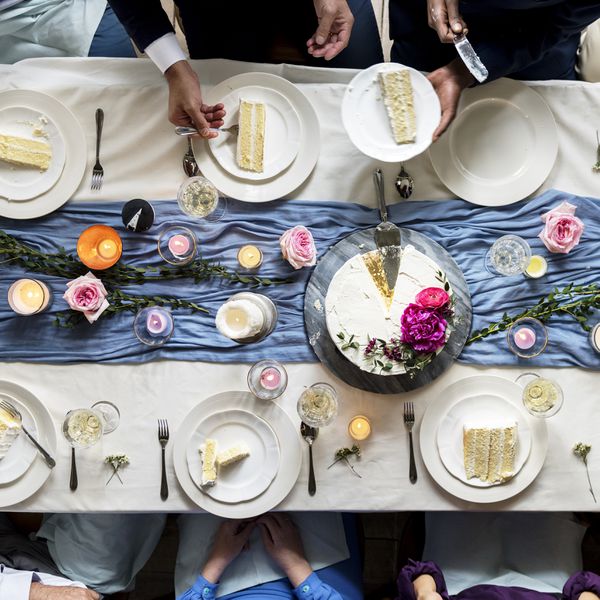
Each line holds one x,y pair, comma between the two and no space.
485,410
501,146
367,123
72,173
36,475
24,183
287,180
282,133
474,387
247,478
289,445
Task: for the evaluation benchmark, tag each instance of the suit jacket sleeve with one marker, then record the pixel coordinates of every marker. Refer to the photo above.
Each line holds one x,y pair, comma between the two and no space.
144,20
525,46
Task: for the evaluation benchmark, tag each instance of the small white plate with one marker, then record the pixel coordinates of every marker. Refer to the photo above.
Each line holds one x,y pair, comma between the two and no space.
25,183
249,477
485,410
21,454
366,120
282,133
500,148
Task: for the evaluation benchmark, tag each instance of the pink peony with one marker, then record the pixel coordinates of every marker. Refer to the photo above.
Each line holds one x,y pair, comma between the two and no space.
432,297
423,329
298,247
562,229
87,294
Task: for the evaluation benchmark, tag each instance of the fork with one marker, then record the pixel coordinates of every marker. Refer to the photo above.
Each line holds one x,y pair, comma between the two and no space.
163,438
15,414
233,129
98,172
409,421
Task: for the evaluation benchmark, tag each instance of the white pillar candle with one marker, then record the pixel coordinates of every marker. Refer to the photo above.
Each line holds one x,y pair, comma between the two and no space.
28,296
239,319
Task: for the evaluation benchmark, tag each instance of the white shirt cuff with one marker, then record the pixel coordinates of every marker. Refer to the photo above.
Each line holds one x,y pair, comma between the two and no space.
15,585
165,51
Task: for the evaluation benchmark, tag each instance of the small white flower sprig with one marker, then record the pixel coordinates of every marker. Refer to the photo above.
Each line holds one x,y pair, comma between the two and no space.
582,450
344,453
116,461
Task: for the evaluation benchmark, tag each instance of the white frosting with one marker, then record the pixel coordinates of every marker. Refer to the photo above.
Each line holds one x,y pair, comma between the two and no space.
9,431
354,305
254,319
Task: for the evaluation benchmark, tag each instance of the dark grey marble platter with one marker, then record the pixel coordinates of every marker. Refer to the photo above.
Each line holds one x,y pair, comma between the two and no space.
328,353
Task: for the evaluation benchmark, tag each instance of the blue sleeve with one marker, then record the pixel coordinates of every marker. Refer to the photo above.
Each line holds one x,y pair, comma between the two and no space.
201,590
312,588
517,51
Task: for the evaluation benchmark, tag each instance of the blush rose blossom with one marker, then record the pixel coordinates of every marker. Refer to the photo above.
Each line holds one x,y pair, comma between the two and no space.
87,294
562,229
298,247
432,297
423,329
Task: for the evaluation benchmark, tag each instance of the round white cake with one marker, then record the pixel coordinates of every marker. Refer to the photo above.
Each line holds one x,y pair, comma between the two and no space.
359,306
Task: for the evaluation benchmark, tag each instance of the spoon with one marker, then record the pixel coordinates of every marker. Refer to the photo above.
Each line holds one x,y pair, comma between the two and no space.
405,184
310,435
190,166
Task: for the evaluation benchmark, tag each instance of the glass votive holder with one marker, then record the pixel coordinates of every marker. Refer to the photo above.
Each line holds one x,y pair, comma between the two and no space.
542,397
318,405
246,317
153,325
359,428
250,257
595,337
111,415
527,337
537,267
177,245
509,255
267,379
198,197
99,247
29,297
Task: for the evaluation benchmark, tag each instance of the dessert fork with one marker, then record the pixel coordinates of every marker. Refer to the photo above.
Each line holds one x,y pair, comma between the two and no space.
98,172
409,421
233,129
16,415
163,438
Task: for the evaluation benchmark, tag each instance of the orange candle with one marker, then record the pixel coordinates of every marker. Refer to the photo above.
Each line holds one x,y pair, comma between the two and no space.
99,247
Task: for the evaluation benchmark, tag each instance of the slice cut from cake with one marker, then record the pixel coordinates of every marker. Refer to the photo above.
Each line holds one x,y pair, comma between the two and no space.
233,455
209,462
489,452
251,136
9,431
25,153
397,91
374,263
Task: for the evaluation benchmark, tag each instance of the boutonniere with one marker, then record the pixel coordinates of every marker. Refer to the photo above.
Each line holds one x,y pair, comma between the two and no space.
344,454
116,461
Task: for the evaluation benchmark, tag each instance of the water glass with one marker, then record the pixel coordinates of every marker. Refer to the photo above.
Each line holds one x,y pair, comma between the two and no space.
198,197
509,255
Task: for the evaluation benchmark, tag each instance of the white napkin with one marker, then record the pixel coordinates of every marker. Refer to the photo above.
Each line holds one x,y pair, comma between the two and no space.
322,534
538,551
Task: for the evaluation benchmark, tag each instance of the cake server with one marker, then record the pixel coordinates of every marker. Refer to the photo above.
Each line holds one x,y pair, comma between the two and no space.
387,236
470,58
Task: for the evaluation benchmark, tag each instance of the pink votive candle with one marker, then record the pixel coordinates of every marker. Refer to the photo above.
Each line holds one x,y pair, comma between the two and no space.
270,378
156,322
524,338
179,244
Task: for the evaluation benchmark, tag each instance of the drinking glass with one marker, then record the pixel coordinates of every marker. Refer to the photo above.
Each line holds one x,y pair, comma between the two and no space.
318,405
198,197
83,427
542,397
509,255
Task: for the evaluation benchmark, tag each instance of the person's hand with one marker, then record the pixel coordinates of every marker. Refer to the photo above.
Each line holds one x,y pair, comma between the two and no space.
449,82
443,16
39,591
231,538
185,101
425,589
335,26
283,543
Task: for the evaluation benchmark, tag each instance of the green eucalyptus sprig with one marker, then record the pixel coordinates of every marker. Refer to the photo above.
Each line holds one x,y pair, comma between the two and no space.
344,454
578,301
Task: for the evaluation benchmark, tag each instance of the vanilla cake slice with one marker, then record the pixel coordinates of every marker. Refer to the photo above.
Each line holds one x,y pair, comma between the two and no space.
397,91
251,136
25,153
209,462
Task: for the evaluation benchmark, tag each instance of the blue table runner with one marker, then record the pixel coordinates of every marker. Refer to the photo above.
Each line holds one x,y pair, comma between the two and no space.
466,231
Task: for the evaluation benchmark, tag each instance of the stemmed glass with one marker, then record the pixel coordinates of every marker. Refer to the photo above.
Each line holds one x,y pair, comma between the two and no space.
318,405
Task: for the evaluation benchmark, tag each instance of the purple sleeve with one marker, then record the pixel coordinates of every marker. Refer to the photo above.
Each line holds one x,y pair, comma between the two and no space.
582,581
411,571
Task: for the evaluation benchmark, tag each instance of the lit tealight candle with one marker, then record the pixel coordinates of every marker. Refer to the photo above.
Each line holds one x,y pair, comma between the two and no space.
537,267
107,249
270,378
28,296
359,428
239,319
250,257
179,245
524,338
157,322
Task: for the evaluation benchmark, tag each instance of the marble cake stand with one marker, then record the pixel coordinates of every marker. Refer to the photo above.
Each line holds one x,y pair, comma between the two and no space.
328,353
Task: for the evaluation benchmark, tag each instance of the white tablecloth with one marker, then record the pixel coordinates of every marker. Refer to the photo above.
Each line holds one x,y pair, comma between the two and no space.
142,158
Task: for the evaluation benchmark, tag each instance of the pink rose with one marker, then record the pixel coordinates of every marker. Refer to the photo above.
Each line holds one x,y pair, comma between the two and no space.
432,297
562,229
298,247
87,294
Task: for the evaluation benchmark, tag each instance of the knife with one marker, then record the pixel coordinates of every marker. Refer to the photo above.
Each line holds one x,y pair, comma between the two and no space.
470,58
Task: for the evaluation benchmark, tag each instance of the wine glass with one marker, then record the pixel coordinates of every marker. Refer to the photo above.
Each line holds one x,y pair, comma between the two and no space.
318,405
542,397
199,198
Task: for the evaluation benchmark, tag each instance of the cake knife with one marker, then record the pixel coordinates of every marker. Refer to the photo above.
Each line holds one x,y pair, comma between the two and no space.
470,58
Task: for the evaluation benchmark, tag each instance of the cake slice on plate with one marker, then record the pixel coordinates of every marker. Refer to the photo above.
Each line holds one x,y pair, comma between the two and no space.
397,91
9,431
233,455
25,153
209,462
251,136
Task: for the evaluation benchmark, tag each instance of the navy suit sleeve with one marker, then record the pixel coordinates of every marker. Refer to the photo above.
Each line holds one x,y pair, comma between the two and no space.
144,20
518,51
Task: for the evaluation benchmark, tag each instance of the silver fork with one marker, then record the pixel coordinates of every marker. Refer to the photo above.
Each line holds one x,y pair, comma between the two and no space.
98,172
15,414
409,421
163,438
233,129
